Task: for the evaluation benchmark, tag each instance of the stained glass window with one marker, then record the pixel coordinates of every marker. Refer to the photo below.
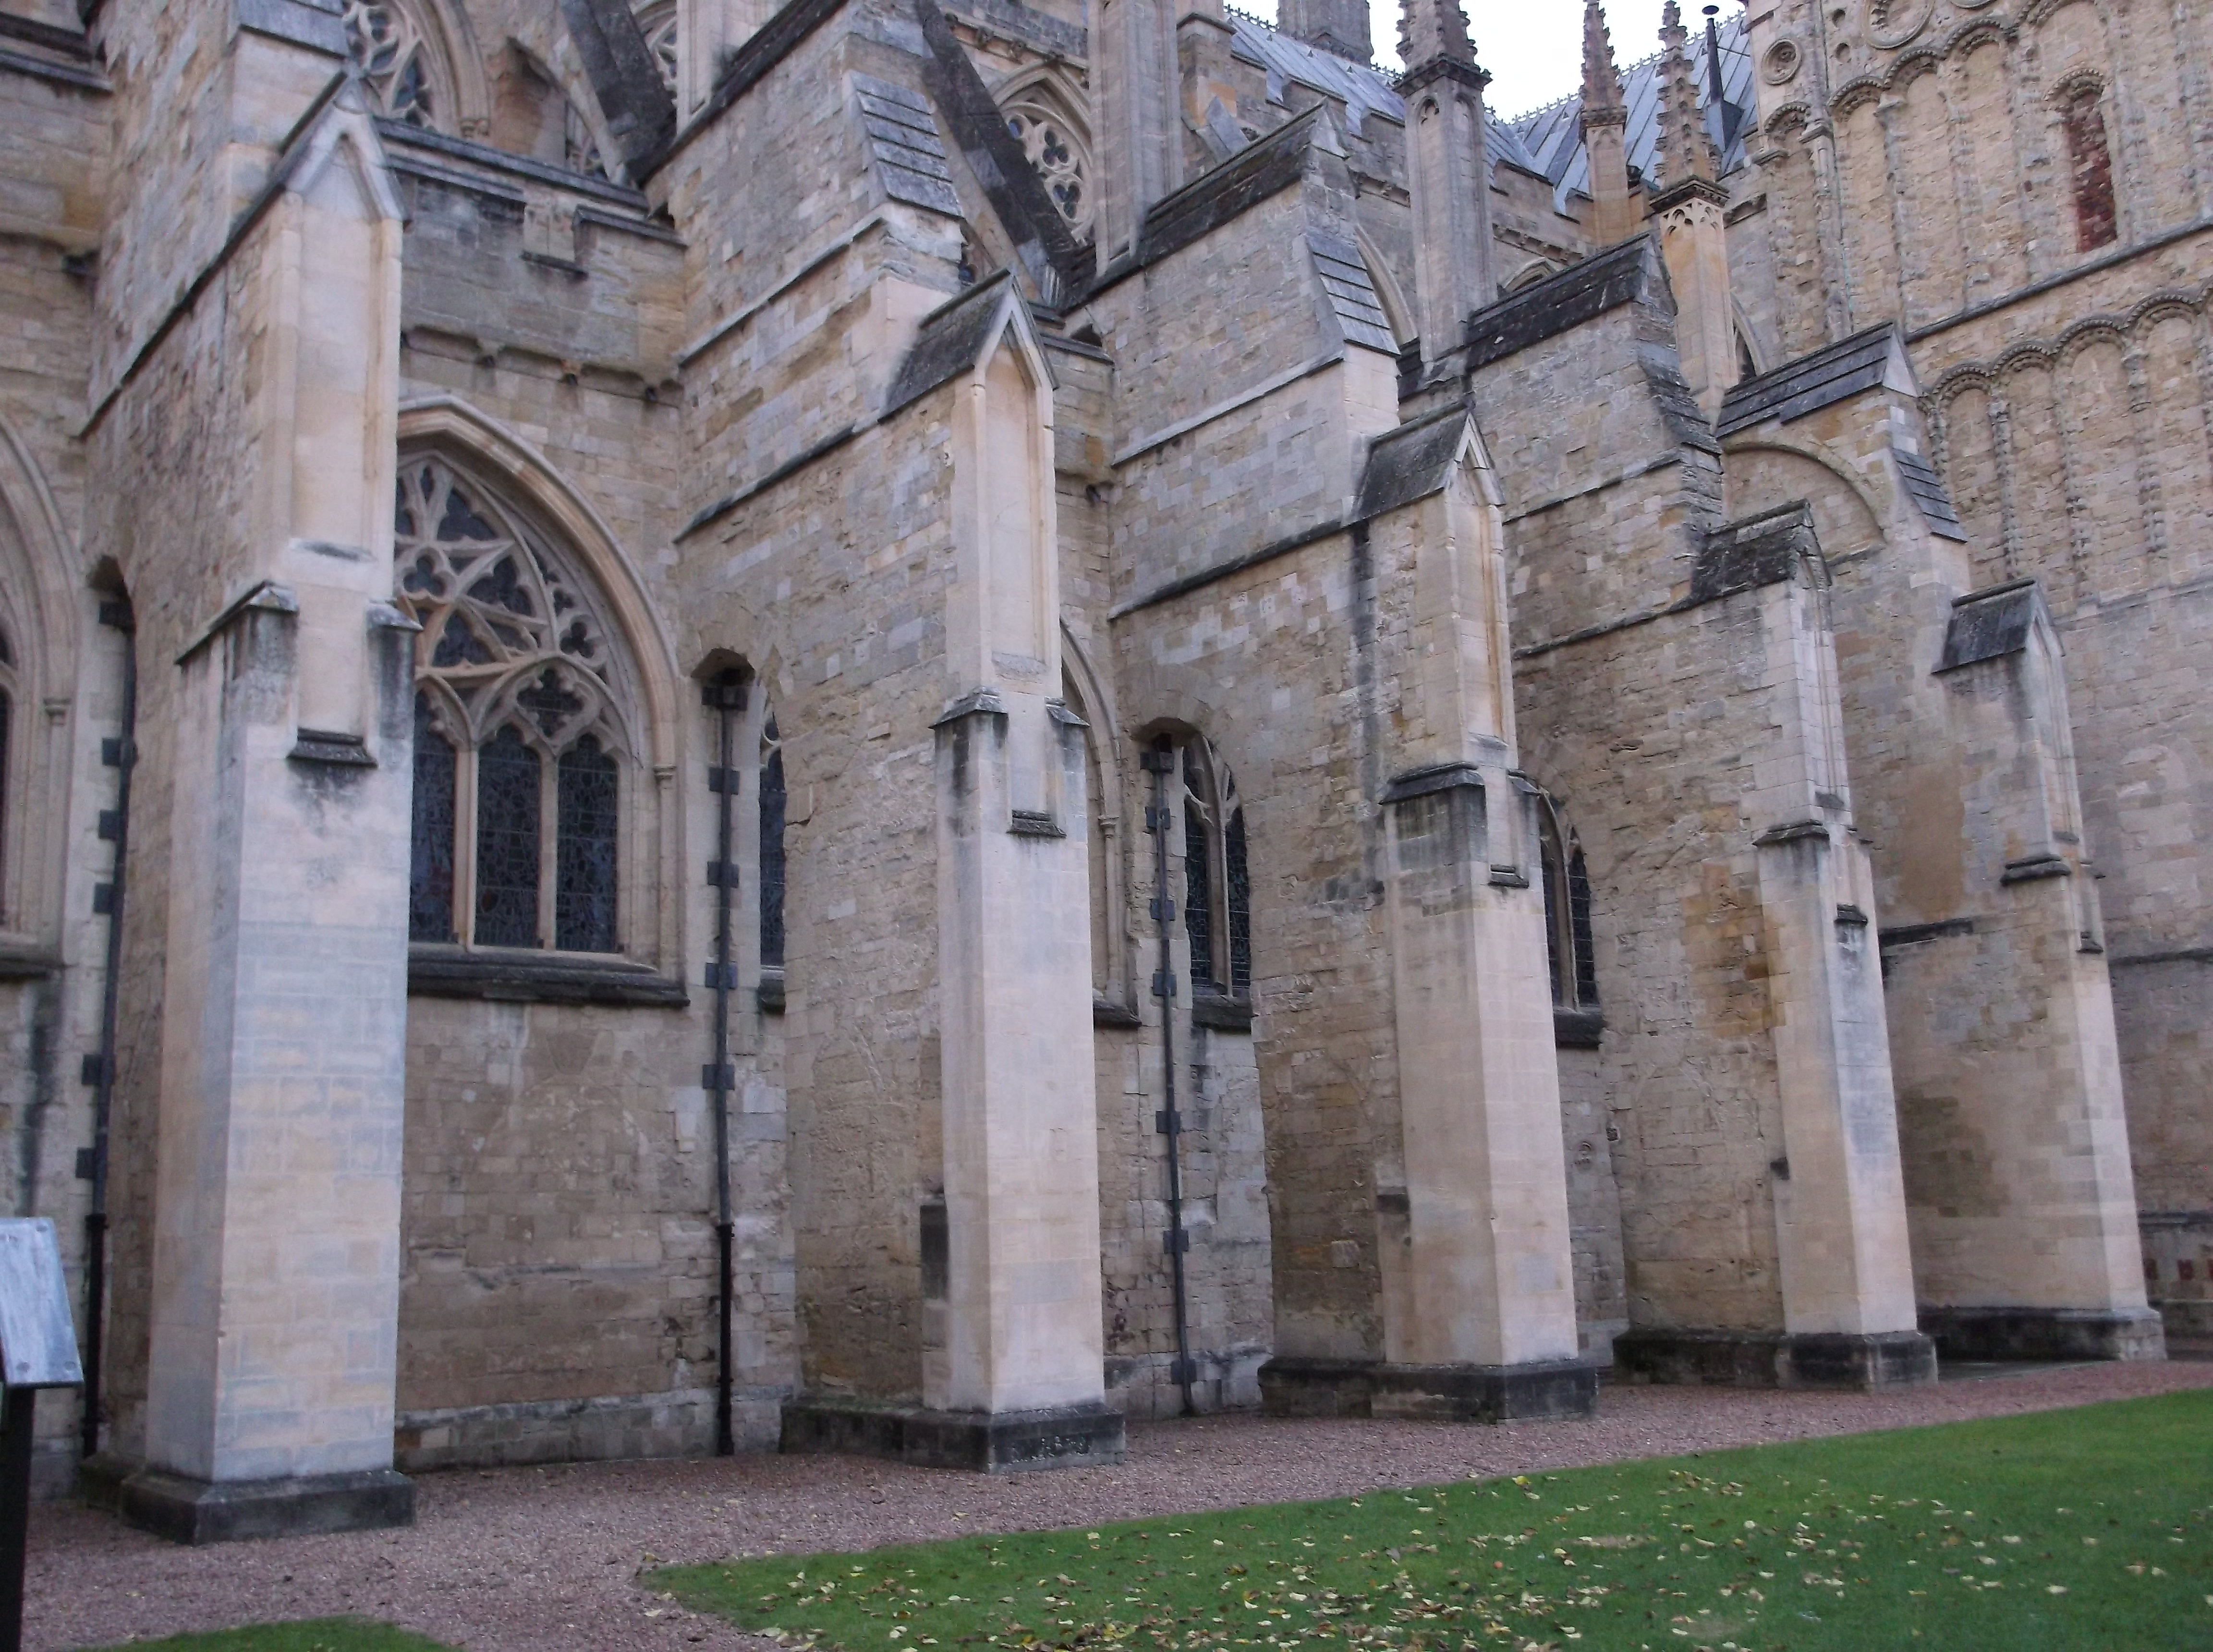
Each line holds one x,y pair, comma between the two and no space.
1217,884
771,848
1568,948
509,775
430,889
1198,895
584,913
520,713
1579,932
1239,902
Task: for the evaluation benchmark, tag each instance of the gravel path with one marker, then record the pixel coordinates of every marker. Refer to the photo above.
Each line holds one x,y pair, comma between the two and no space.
547,1560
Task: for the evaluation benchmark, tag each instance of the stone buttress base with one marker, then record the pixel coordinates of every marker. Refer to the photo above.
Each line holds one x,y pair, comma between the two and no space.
193,1511
1004,1442
2041,1333
1540,1390
1776,1359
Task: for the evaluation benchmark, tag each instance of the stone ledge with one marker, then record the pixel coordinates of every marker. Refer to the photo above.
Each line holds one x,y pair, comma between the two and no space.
1004,1442
520,977
194,1511
1776,1359
1543,1390
2041,1333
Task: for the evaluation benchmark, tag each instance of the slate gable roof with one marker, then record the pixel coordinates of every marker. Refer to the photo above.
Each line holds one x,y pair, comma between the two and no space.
1352,292
1582,291
904,144
1820,379
1410,462
950,340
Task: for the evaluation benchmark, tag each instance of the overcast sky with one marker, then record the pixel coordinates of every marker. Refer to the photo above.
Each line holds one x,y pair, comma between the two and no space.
1532,48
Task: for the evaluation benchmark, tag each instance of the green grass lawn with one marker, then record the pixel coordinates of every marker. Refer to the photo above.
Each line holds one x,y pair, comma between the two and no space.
319,1635
2087,1529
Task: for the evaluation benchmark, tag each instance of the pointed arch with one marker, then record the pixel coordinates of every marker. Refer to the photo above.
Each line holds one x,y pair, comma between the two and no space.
450,422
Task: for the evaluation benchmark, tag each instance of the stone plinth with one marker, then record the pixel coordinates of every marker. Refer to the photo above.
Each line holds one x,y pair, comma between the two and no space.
1541,1391
1004,1442
1772,1359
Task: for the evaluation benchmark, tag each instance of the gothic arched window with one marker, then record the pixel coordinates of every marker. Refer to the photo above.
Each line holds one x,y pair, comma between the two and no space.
388,47
521,751
1568,945
2090,162
1217,884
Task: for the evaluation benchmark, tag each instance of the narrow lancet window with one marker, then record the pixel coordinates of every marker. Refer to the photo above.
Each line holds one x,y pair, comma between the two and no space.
1240,903
771,848
1568,948
1198,894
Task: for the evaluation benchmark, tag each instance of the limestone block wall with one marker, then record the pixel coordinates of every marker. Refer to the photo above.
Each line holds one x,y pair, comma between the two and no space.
846,634
165,530
1275,666
1689,1064
64,674
201,110
2074,439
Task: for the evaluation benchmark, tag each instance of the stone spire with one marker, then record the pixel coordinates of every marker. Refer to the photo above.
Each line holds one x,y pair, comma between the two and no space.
1448,169
1601,85
1687,150
1688,214
1434,31
1604,123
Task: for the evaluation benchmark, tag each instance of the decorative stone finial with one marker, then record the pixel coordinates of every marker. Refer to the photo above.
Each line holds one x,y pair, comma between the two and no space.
1601,85
1433,31
1687,150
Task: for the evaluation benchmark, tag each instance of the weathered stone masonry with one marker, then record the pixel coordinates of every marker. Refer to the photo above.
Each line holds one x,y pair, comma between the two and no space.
853,728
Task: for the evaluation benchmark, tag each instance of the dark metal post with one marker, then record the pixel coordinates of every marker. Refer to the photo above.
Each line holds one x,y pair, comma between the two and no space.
15,1415
115,613
1160,763
727,696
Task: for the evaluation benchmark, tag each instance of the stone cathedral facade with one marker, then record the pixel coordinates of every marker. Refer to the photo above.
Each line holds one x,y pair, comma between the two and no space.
909,725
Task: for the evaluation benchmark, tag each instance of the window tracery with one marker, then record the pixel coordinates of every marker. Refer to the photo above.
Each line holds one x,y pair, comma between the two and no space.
519,740
388,48
1060,151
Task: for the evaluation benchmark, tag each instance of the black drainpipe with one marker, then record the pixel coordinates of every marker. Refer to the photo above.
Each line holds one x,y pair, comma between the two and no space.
121,754
1160,763
726,697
